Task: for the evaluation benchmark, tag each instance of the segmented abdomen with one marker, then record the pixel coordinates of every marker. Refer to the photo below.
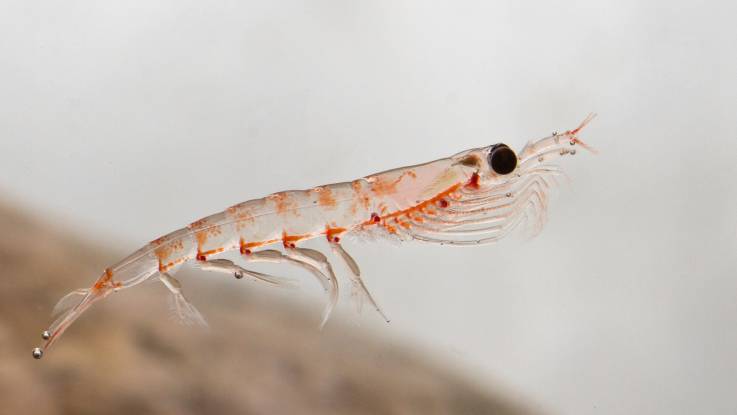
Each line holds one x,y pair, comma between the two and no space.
292,216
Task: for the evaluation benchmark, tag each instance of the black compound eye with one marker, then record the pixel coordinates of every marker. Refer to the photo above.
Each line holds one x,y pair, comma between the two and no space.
502,159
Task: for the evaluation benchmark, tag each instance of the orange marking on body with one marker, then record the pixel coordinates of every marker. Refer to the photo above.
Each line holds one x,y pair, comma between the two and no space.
242,220
283,202
164,268
244,248
381,186
201,233
290,241
325,197
332,233
356,185
249,245
202,256
361,198
106,277
213,251
201,237
241,215
421,207
199,223
163,251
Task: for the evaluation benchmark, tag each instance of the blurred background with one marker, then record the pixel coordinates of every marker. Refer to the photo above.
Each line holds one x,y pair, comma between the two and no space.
122,121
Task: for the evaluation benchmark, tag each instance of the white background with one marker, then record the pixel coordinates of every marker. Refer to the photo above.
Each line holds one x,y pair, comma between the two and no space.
126,120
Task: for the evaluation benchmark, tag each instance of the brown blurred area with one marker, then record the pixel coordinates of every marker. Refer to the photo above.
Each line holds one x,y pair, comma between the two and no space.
125,356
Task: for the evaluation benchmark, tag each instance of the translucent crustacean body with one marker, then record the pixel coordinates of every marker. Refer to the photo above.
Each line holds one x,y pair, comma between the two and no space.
474,197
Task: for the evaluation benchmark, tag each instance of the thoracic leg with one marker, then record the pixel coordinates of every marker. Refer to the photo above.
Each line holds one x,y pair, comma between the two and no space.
226,266
310,260
317,263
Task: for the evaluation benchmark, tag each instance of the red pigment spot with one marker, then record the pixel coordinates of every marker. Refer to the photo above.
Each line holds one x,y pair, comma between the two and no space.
473,182
332,233
375,218
201,257
289,241
443,203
